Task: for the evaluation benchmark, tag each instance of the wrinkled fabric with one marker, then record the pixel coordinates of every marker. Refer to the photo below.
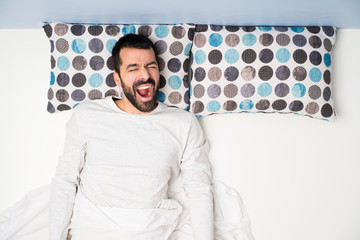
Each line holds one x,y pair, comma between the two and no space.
27,219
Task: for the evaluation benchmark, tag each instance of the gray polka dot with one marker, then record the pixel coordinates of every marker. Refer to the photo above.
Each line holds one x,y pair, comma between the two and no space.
216,28
214,74
247,90
111,92
175,97
97,63
265,73
315,58
214,91
328,45
197,107
186,81
299,73
231,73
199,91
161,64
79,63
78,95
62,45
299,56
96,45
327,94
95,30
313,29
61,29
187,97
266,39
248,73
174,65
94,94
262,105
282,39
314,92
50,108
145,30
282,72
162,81
186,65
63,107
52,46
266,55
230,105
199,40
178,32
281,28
110,63
215,56
282,89
176,48
48,30
50,94
327,77
62,95
315,42
230,90
326,110
78,30
312,108
112,30
232,40
63,79
299,40
110,80
296,106
160,47
248,56
53,62
232,28
279,104
78,80
199,74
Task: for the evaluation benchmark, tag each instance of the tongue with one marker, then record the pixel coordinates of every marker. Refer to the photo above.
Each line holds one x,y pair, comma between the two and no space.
143,92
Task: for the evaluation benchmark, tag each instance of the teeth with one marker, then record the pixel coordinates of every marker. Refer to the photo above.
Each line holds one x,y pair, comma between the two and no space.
145,87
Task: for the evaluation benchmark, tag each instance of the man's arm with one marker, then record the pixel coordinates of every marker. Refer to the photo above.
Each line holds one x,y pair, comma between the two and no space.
64,184
196,178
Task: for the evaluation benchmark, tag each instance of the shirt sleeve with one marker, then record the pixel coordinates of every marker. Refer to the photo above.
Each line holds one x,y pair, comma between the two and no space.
66,181
196,177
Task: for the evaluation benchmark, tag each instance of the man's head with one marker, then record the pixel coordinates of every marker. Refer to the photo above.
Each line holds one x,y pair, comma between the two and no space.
137,72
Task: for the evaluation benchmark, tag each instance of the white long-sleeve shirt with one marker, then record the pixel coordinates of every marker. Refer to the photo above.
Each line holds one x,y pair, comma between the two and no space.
126,160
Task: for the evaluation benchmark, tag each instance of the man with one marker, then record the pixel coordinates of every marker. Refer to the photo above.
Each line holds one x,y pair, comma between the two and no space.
121,155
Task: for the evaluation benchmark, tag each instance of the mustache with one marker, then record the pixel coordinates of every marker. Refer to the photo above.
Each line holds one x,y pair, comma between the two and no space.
138,83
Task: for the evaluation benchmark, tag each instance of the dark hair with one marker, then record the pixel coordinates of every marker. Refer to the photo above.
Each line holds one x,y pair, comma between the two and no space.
130,41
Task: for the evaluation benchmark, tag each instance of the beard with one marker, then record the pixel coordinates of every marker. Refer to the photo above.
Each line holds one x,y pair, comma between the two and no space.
130,94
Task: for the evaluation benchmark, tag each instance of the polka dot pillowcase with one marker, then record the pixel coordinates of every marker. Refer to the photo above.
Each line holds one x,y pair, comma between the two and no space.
262,69
82,67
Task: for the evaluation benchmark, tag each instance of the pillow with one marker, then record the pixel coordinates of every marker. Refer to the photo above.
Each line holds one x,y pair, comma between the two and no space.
82,67
262,69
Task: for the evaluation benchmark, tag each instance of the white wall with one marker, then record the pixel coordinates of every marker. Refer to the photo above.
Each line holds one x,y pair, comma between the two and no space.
299,177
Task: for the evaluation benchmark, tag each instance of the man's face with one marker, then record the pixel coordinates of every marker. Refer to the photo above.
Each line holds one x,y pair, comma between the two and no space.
139,78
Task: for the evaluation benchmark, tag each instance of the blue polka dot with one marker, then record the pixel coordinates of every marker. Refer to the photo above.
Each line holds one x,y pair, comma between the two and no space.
52,78
315,74
78,46
297,29
265,29
190,90
187,49
76,105
283,55
110,45
200,57
96,80
264,89
249,39
232,56
215,39
213,106
121,95
63,63
161,31
327,59
161,96
174,82
246,105
128,29
298,90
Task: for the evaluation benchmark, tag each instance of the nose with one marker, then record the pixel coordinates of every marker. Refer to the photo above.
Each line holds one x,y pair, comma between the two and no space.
144,73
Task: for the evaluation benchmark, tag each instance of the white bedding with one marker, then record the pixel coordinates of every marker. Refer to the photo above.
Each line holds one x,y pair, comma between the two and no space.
28,219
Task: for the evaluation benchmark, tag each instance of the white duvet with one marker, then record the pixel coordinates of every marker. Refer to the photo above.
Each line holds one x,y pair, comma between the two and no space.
28,219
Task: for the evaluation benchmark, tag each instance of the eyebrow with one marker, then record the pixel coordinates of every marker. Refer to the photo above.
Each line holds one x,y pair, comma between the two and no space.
137,65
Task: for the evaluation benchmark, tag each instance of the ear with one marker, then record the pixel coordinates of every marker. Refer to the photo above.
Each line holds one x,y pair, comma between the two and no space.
116,78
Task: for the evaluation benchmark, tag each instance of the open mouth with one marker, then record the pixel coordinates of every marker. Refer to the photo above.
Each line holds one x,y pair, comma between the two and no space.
145,91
